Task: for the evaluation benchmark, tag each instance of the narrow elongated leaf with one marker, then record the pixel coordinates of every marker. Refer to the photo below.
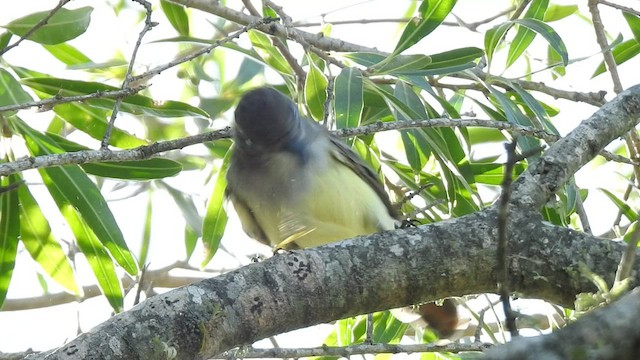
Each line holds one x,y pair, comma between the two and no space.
492,173
177,16
554,59
41,245
134,104
536,107
63,26
187,207
269,53
454,57
621,53
315,91
9,234
515,116
447,150
624,208
249,68
348,95
68,54
549,34
402,64
11,92
634,24
146,232
493,37
156,168
557,12
432,14
190,241
524,36
215,220
5,37
416,147
70,186
97,257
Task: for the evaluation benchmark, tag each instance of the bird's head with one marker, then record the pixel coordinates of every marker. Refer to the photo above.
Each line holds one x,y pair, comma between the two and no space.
264,119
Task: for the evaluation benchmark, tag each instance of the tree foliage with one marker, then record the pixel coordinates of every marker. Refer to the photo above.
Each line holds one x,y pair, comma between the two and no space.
444,114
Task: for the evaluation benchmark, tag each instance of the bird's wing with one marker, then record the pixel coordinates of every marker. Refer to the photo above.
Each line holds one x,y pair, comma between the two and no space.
347,157
249,222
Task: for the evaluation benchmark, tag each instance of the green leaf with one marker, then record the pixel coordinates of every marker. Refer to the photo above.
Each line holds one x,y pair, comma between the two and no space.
451,61
621,53
549,34
97,257
63,26
493,37
269,53
348,95
68,54
492,173
177,16
524,36
187,207
93,121
134,104
146,232
432,13
556,12
70,186
553,59
9,233
416,147
41,245
536,107
402,64
155,168
515,116
624,208
215,220
11,92
5,37
249,68
190,241
634,24
387,329
315,91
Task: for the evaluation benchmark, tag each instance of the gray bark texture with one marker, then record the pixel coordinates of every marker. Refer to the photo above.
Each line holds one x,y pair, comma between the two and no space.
387,270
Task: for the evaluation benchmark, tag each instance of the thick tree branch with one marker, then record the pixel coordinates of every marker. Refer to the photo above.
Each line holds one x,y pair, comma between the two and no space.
605,334
357,276
544,177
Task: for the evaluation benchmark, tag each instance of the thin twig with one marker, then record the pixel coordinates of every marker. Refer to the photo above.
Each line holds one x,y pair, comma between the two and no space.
502,267
282,45
204,50
473,26
48,103
37,26
347,351
148,25
146,151
620,7
601,38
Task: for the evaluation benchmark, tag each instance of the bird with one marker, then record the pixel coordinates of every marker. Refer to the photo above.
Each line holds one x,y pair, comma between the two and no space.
294,185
